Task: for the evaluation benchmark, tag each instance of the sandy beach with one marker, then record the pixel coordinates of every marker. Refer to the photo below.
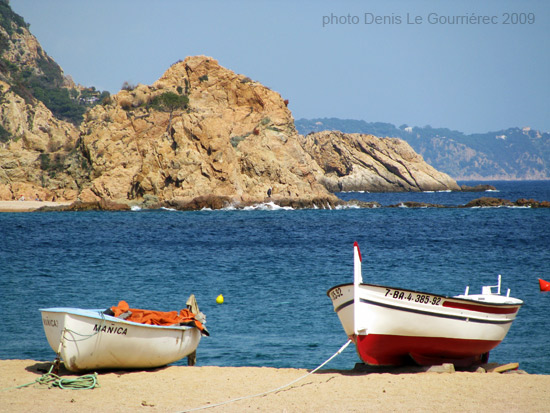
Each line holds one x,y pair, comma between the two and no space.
27,206
182,388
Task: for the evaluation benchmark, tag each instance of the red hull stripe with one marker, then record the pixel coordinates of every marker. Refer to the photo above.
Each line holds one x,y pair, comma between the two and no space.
388,350
481,308
428,313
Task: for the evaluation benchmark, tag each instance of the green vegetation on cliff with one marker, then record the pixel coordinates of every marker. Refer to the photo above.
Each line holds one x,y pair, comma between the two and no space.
43,81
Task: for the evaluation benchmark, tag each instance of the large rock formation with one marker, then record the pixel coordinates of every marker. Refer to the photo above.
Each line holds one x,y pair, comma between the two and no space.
201,136
33,162
355,162
235,139
35,146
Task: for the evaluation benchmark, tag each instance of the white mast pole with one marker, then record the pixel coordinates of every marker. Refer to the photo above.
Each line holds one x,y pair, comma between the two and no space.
357,279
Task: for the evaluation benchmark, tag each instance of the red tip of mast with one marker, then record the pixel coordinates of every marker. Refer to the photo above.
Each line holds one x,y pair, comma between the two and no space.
356,245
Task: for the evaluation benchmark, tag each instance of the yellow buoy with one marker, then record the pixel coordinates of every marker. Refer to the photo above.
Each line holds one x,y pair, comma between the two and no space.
219,299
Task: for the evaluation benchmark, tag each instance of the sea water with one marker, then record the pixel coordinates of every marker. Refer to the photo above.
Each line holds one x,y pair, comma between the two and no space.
273,267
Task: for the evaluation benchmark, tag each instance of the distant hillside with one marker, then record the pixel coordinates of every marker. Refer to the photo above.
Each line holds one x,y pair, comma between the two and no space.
514,153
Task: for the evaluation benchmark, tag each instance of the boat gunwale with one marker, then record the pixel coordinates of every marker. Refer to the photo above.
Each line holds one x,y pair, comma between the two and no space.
462,299
97,314
474,318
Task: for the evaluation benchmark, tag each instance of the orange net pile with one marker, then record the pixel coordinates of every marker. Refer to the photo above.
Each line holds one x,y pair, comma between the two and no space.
157,318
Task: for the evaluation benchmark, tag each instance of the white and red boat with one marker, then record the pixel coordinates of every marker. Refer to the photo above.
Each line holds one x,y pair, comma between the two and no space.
394,326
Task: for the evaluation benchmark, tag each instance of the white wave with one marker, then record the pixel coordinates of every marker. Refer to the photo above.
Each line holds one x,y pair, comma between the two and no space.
168,209
500,206
349,206
135,208
266,206
445,190
328,206
492,190
231,207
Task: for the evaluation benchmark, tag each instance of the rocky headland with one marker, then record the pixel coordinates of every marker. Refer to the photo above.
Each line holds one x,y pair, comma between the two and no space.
224,140
232,140
200,136
356,162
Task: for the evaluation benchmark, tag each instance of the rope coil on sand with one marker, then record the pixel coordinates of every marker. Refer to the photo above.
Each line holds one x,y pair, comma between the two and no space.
86,382
89,381
270,391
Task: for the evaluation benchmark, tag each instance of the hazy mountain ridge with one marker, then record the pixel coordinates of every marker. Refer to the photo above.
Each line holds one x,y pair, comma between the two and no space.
513,153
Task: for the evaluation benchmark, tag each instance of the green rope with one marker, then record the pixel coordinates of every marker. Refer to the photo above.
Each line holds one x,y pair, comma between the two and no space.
88,381
85,336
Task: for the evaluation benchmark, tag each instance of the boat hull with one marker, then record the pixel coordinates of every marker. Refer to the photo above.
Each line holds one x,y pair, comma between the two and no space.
391,326
91,340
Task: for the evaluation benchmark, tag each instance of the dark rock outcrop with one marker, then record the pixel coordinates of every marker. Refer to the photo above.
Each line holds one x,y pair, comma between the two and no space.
477,188
488,202
532,203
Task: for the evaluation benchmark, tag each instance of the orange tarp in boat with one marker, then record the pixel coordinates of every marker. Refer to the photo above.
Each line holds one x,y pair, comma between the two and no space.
157,318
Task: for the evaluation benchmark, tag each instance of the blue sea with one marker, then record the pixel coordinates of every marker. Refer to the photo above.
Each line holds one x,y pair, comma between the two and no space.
273,267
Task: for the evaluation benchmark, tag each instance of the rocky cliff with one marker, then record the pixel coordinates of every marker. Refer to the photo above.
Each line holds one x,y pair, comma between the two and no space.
229,141
34,159
233,138
200,136
35,146
355,162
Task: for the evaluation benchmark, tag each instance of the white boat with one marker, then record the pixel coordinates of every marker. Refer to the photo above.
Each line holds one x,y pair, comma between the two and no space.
93,340
390,326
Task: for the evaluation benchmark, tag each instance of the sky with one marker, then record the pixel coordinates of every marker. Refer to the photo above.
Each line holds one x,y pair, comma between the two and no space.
396,61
